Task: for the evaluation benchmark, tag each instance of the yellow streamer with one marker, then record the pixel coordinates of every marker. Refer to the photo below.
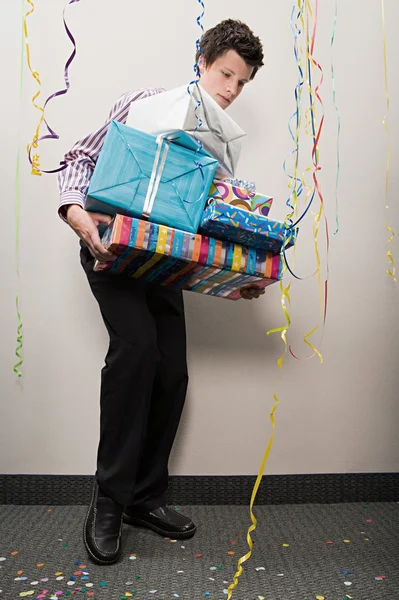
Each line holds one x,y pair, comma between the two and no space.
34,144
391,270
253,496
285,296
311,117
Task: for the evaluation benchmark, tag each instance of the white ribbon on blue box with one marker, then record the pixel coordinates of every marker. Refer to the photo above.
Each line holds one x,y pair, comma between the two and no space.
177,110
143,176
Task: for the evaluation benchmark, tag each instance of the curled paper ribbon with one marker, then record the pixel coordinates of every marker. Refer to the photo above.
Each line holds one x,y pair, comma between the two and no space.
18,349
323,306
297,184
198,41
391,270
34,159
297,29
311,119
253,496
283,330
338,119
197,73
285,299
296,191
198,103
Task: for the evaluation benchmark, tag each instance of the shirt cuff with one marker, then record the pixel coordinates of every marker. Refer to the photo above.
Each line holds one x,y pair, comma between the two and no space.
68,198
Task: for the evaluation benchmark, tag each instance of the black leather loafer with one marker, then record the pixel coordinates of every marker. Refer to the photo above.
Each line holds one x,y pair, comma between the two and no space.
102,531
163,520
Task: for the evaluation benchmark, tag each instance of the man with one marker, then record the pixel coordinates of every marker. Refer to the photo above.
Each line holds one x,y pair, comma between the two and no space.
144,380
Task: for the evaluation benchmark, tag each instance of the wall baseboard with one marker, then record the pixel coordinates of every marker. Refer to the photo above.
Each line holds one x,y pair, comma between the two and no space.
214,489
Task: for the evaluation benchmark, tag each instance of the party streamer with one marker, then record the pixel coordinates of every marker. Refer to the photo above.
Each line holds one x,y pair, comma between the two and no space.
285,299
293,184
253,496
323,306
196,70
311,122
338,119
298,51
391,270
198,103
18,349
34,159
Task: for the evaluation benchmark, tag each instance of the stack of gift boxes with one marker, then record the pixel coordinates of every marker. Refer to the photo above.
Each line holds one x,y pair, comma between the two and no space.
176,223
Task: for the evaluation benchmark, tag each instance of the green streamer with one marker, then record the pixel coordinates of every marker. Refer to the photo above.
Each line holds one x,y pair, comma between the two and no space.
19,329
339,120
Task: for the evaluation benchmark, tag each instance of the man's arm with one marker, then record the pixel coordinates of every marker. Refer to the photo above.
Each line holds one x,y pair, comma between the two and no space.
74,180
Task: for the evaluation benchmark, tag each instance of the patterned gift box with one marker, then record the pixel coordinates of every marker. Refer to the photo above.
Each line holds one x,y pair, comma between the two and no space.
140,175
227,222
168,256
240,197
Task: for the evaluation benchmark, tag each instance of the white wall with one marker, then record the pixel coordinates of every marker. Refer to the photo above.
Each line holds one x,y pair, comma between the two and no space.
341,416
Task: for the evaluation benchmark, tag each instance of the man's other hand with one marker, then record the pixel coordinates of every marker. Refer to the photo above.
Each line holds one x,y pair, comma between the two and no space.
250,291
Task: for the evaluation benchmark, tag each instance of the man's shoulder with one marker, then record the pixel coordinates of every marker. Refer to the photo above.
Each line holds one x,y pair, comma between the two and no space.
138,94
120,109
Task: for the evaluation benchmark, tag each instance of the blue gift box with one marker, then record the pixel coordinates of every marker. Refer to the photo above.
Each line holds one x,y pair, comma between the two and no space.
227,222
140,175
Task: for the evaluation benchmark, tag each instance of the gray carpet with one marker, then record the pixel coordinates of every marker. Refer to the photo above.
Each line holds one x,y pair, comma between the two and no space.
308,567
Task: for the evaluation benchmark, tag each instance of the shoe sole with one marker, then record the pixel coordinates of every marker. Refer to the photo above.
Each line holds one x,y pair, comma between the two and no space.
178,535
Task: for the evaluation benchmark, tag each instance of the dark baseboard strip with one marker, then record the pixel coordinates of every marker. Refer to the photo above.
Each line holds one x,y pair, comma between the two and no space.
213,489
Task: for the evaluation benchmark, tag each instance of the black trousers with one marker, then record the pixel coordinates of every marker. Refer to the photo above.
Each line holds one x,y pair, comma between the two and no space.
143,385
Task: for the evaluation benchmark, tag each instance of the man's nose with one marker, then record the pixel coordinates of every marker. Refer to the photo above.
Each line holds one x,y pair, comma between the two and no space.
232,87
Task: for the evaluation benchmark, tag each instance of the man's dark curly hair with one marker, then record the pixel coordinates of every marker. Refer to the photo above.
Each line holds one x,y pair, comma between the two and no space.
231,35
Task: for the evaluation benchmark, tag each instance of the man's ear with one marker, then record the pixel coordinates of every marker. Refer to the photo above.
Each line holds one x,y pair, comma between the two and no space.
201,65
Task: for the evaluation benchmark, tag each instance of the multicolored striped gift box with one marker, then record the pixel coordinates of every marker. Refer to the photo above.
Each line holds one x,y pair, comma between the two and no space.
167,256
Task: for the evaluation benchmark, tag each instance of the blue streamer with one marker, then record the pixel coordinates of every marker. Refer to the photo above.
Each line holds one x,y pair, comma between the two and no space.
196,71
296,189
198,103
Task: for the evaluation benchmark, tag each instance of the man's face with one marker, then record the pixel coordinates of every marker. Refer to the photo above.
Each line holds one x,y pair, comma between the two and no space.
225,78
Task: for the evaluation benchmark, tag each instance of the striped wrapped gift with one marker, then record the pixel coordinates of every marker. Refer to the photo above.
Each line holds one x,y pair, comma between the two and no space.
167,256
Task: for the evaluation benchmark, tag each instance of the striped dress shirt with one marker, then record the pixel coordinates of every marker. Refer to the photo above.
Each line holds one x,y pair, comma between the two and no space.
74,180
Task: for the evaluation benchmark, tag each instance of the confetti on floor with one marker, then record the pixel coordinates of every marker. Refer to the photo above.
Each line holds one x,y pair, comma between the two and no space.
53,565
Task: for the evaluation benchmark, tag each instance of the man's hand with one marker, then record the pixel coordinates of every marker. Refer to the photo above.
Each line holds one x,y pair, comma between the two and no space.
85,225
251,291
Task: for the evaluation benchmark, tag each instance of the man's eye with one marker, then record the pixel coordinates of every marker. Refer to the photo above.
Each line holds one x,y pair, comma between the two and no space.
226,74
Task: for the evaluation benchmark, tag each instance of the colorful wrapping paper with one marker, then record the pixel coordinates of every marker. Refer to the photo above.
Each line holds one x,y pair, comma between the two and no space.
227,222
240,197
130,162
168,256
